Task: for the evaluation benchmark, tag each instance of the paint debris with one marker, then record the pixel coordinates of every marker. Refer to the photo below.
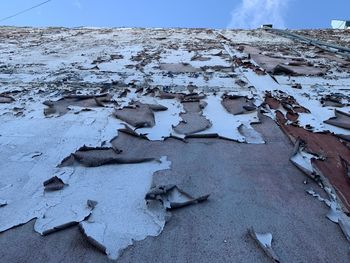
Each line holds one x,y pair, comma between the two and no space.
54,184
302,159
51,222
335,214
341,120
237,104
6,98
3,202
172,197
264,240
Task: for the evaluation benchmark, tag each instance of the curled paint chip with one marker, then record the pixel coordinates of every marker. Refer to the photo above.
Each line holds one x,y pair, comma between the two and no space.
99,156
341,120
302,159
50,222
264,240
54,184
172,197
3,202
334,214
128,130
6,98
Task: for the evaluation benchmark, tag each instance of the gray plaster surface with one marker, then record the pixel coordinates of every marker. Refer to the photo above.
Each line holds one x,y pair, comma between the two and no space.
250,186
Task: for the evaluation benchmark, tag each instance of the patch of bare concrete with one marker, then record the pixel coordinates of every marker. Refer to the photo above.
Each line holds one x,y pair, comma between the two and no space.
138,114
61,106
193,120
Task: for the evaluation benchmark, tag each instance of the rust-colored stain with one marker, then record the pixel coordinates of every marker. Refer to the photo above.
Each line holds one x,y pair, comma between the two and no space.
335,153
249,65
287,102
336,156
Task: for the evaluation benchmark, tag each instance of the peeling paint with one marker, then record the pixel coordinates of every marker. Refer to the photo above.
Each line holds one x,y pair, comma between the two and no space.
264,240
172,197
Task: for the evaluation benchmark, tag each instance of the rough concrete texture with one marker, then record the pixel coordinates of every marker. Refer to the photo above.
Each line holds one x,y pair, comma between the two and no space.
250,186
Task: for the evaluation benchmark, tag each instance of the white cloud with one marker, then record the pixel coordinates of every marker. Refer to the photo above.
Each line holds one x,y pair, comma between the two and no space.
77,4
253,13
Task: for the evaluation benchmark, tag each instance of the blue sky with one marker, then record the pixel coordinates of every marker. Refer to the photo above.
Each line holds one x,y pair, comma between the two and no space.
175,13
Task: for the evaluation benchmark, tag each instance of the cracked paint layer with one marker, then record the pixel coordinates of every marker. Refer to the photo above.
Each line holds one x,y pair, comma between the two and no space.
227,125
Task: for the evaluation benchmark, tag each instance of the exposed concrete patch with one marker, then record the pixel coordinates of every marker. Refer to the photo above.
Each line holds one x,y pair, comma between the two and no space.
138,114
61,106
334,100
329,167
237,104
179,68
193,120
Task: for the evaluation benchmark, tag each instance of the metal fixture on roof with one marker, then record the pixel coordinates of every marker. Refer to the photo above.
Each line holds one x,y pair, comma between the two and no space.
340,24
266,26
340,50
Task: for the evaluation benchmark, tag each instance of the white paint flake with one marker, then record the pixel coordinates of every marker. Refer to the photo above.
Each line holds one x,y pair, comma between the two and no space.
225,124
